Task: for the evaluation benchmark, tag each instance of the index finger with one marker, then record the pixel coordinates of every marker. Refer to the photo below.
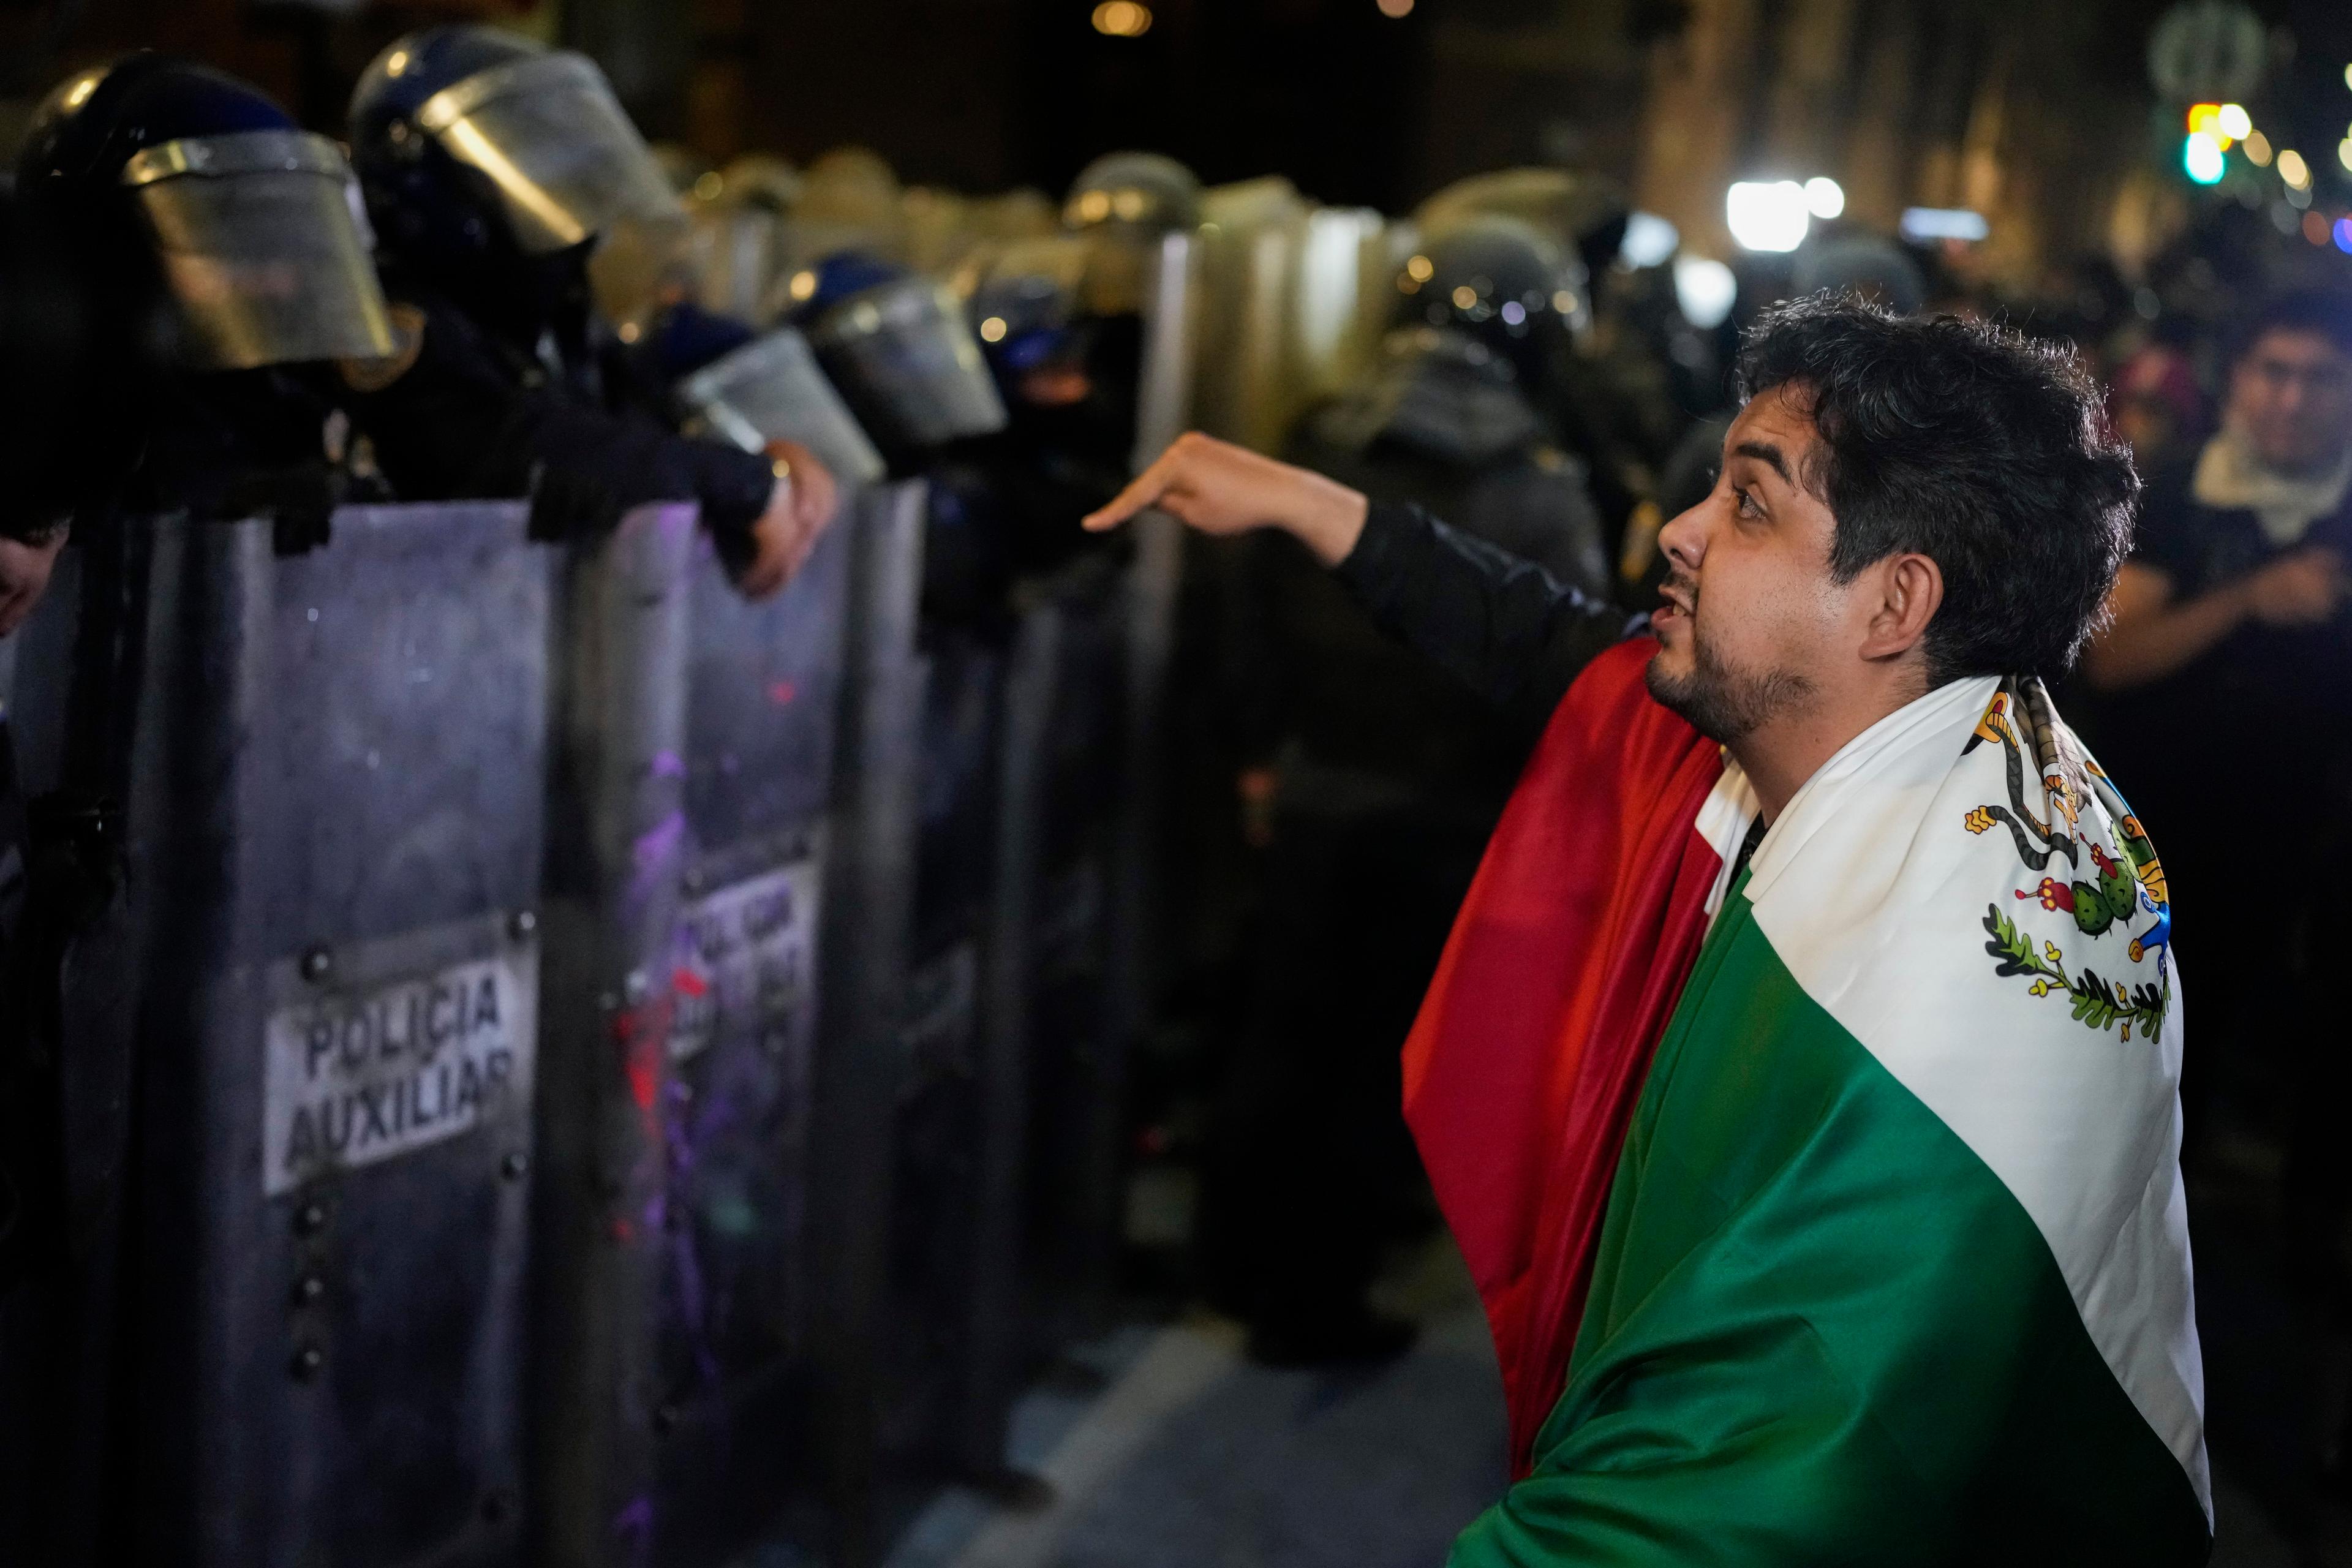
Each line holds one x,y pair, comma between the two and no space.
1142,492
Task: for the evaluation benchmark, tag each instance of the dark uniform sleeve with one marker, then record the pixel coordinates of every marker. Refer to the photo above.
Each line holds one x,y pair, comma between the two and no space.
452,425
1515,635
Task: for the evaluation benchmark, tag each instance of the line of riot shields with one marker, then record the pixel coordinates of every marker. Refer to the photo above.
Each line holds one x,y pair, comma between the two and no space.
535,1057
551,1058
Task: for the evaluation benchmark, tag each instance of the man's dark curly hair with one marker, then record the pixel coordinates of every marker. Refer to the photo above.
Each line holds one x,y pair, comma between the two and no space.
1978,448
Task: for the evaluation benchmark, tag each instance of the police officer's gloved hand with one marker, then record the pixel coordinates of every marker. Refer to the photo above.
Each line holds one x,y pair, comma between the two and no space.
799,510
25,559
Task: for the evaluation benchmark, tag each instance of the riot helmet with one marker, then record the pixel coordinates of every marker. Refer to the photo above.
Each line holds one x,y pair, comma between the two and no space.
755,390
1499,280
224,236
808,292
849,200
1148,190
901,352
1124,203
1026,302
1581,212
738,241
473,144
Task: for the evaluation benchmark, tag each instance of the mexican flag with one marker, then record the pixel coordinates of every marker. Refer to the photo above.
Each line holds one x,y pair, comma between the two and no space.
1826,1208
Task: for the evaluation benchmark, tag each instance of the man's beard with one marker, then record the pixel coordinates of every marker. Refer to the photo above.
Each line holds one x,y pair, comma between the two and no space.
1723,704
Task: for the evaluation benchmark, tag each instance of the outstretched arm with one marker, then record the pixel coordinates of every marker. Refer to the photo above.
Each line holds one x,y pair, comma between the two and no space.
1503,626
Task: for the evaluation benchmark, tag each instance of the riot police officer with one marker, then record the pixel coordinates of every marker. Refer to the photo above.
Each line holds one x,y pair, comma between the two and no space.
220,249
1451,414
182,265
492,168
1371,780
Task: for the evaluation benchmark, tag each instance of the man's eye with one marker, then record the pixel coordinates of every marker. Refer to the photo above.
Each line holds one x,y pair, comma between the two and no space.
1748,506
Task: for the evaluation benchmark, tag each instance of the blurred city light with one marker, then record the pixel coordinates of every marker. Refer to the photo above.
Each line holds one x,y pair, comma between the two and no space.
2258,148
1649,240
2314,228
2347,76
1704,290
1763,215
2344,235
2200,155
2233,123
1824,196
2203,118
1122,18
2344,151
1923,223
992,331
1396,7
2293,169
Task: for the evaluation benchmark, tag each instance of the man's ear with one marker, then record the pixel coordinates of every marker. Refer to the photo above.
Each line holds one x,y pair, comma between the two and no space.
1911,590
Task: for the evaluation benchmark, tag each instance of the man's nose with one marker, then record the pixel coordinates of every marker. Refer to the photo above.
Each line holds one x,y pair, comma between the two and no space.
1683,538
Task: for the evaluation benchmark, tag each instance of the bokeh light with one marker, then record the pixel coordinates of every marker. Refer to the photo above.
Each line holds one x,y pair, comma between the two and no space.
1705,291
1396,7
2314,228
2233,123
2344,235
2258,148
1122,18
1649,240
1824,196
1762,216
2200,155
2293,169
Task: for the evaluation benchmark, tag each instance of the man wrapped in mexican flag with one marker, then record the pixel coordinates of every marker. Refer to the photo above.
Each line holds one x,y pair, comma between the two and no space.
1800,1077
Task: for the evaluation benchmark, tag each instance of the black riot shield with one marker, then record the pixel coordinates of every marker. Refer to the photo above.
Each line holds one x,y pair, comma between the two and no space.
764,699
319,778
1008,1157
615,858
1076,1027
863,989
948,1250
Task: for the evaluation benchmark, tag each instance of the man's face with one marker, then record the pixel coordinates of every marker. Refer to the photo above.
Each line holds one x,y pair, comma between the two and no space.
1752,621
2291,397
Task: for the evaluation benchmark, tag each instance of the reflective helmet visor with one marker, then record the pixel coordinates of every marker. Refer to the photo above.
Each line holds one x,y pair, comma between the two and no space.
547,131
261,249
904,350
772,390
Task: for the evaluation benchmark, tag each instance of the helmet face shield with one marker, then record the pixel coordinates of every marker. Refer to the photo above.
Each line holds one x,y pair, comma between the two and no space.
549,134
904,351
772,390
261,249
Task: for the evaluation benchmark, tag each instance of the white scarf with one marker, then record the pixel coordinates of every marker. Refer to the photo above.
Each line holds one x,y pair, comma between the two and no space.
2230,474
